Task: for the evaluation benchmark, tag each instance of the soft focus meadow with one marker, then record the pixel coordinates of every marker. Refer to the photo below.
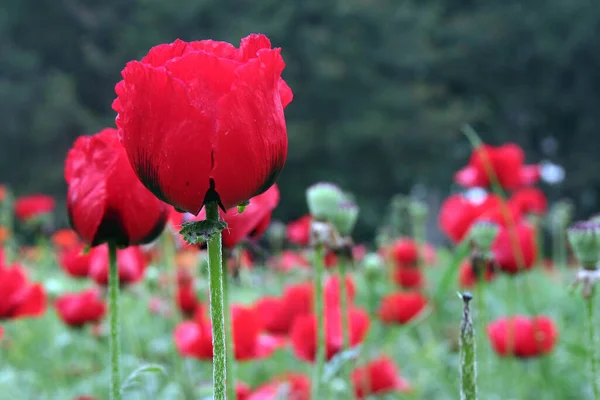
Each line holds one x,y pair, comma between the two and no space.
173,280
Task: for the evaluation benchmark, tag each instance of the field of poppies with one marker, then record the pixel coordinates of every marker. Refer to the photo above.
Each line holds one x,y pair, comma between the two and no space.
174,282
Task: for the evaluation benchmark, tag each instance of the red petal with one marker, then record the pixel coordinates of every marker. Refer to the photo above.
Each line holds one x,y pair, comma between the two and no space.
159,55
251,147
250,45
470,177
32,302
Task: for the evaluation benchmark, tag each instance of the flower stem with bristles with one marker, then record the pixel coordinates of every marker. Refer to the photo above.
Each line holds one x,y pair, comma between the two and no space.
591,331
468,367
230,367
115,340
319,268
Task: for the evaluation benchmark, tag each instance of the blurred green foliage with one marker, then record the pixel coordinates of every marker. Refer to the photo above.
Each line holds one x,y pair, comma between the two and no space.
381,87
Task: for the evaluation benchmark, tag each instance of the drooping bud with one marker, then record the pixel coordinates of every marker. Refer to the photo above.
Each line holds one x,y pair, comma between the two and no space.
345,217
323,200
584,238
483,234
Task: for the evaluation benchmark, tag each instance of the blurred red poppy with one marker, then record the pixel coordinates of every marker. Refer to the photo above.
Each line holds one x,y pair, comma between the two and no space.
522,336
242,391
304,332
18,297
28,207
78,309
380,376
131,264
292,386
64,239
409,278
298,231
467,277
529,201
332,291
458,213
507,164
401,308
106,201
186,298
205,117
288,260
75,261
194,338
515,248
279,313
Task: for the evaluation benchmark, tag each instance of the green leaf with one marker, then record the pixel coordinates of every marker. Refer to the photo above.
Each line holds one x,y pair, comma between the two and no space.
460,253
134,380
201,231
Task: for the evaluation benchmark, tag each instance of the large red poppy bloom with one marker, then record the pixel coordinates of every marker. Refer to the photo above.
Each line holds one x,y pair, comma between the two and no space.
522,336
304,332
401,308
28,207
252,222
203,117
18,297
194,338
458,213
298,231
515,248
378,377
292,386
131,264
106,201
77,309
508,165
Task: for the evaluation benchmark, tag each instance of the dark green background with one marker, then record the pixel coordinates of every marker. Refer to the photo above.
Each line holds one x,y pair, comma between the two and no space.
381,87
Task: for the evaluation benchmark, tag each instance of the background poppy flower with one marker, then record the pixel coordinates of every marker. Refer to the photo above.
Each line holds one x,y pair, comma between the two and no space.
304,332
204,116
297,387
28,207
279,313
18,297
298,231
106,201
409,278
186,298
64,239
131,264
529,201
522,336
518,256
378,377
75,261
467,277
458,213
332,290
401,308
77,309
288,260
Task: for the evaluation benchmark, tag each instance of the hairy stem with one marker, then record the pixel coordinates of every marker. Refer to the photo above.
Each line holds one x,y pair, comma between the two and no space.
114,343
320,312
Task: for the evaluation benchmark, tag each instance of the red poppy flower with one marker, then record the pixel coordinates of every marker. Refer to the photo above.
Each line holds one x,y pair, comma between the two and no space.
106,202
288,260
77,309
64,239
75,261
298,231
292,386
458,213
28,207
404,252
467,277
409,278
194,338
3,193
330,260
242,391
515,249
529,201
379,377
279,313
186,298
507,163
332,291
252,222
1,332
304,332
522,336
401,308
18,297
205,117
131,264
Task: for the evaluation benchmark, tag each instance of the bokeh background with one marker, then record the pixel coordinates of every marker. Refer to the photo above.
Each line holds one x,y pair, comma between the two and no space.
382,87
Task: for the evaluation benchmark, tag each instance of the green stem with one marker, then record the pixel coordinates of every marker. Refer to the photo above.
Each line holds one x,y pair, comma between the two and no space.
229,336
591,328
215,277
419,238
320,311
114,343
468,368
345,319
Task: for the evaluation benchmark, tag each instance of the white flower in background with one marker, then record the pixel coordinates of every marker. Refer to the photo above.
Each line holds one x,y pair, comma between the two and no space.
476,195
551,173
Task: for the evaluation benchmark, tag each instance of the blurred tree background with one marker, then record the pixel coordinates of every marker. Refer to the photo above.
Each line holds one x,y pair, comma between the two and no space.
382,87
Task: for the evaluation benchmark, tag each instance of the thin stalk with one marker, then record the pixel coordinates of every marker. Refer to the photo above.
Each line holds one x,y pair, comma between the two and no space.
320,311
114,343
345,318
468,367
229,335
591,331
217,318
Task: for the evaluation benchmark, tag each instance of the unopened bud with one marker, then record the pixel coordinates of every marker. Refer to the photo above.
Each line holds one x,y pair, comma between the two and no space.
418,210
323,200
345,217
483,234
584,238
373,264
276,234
